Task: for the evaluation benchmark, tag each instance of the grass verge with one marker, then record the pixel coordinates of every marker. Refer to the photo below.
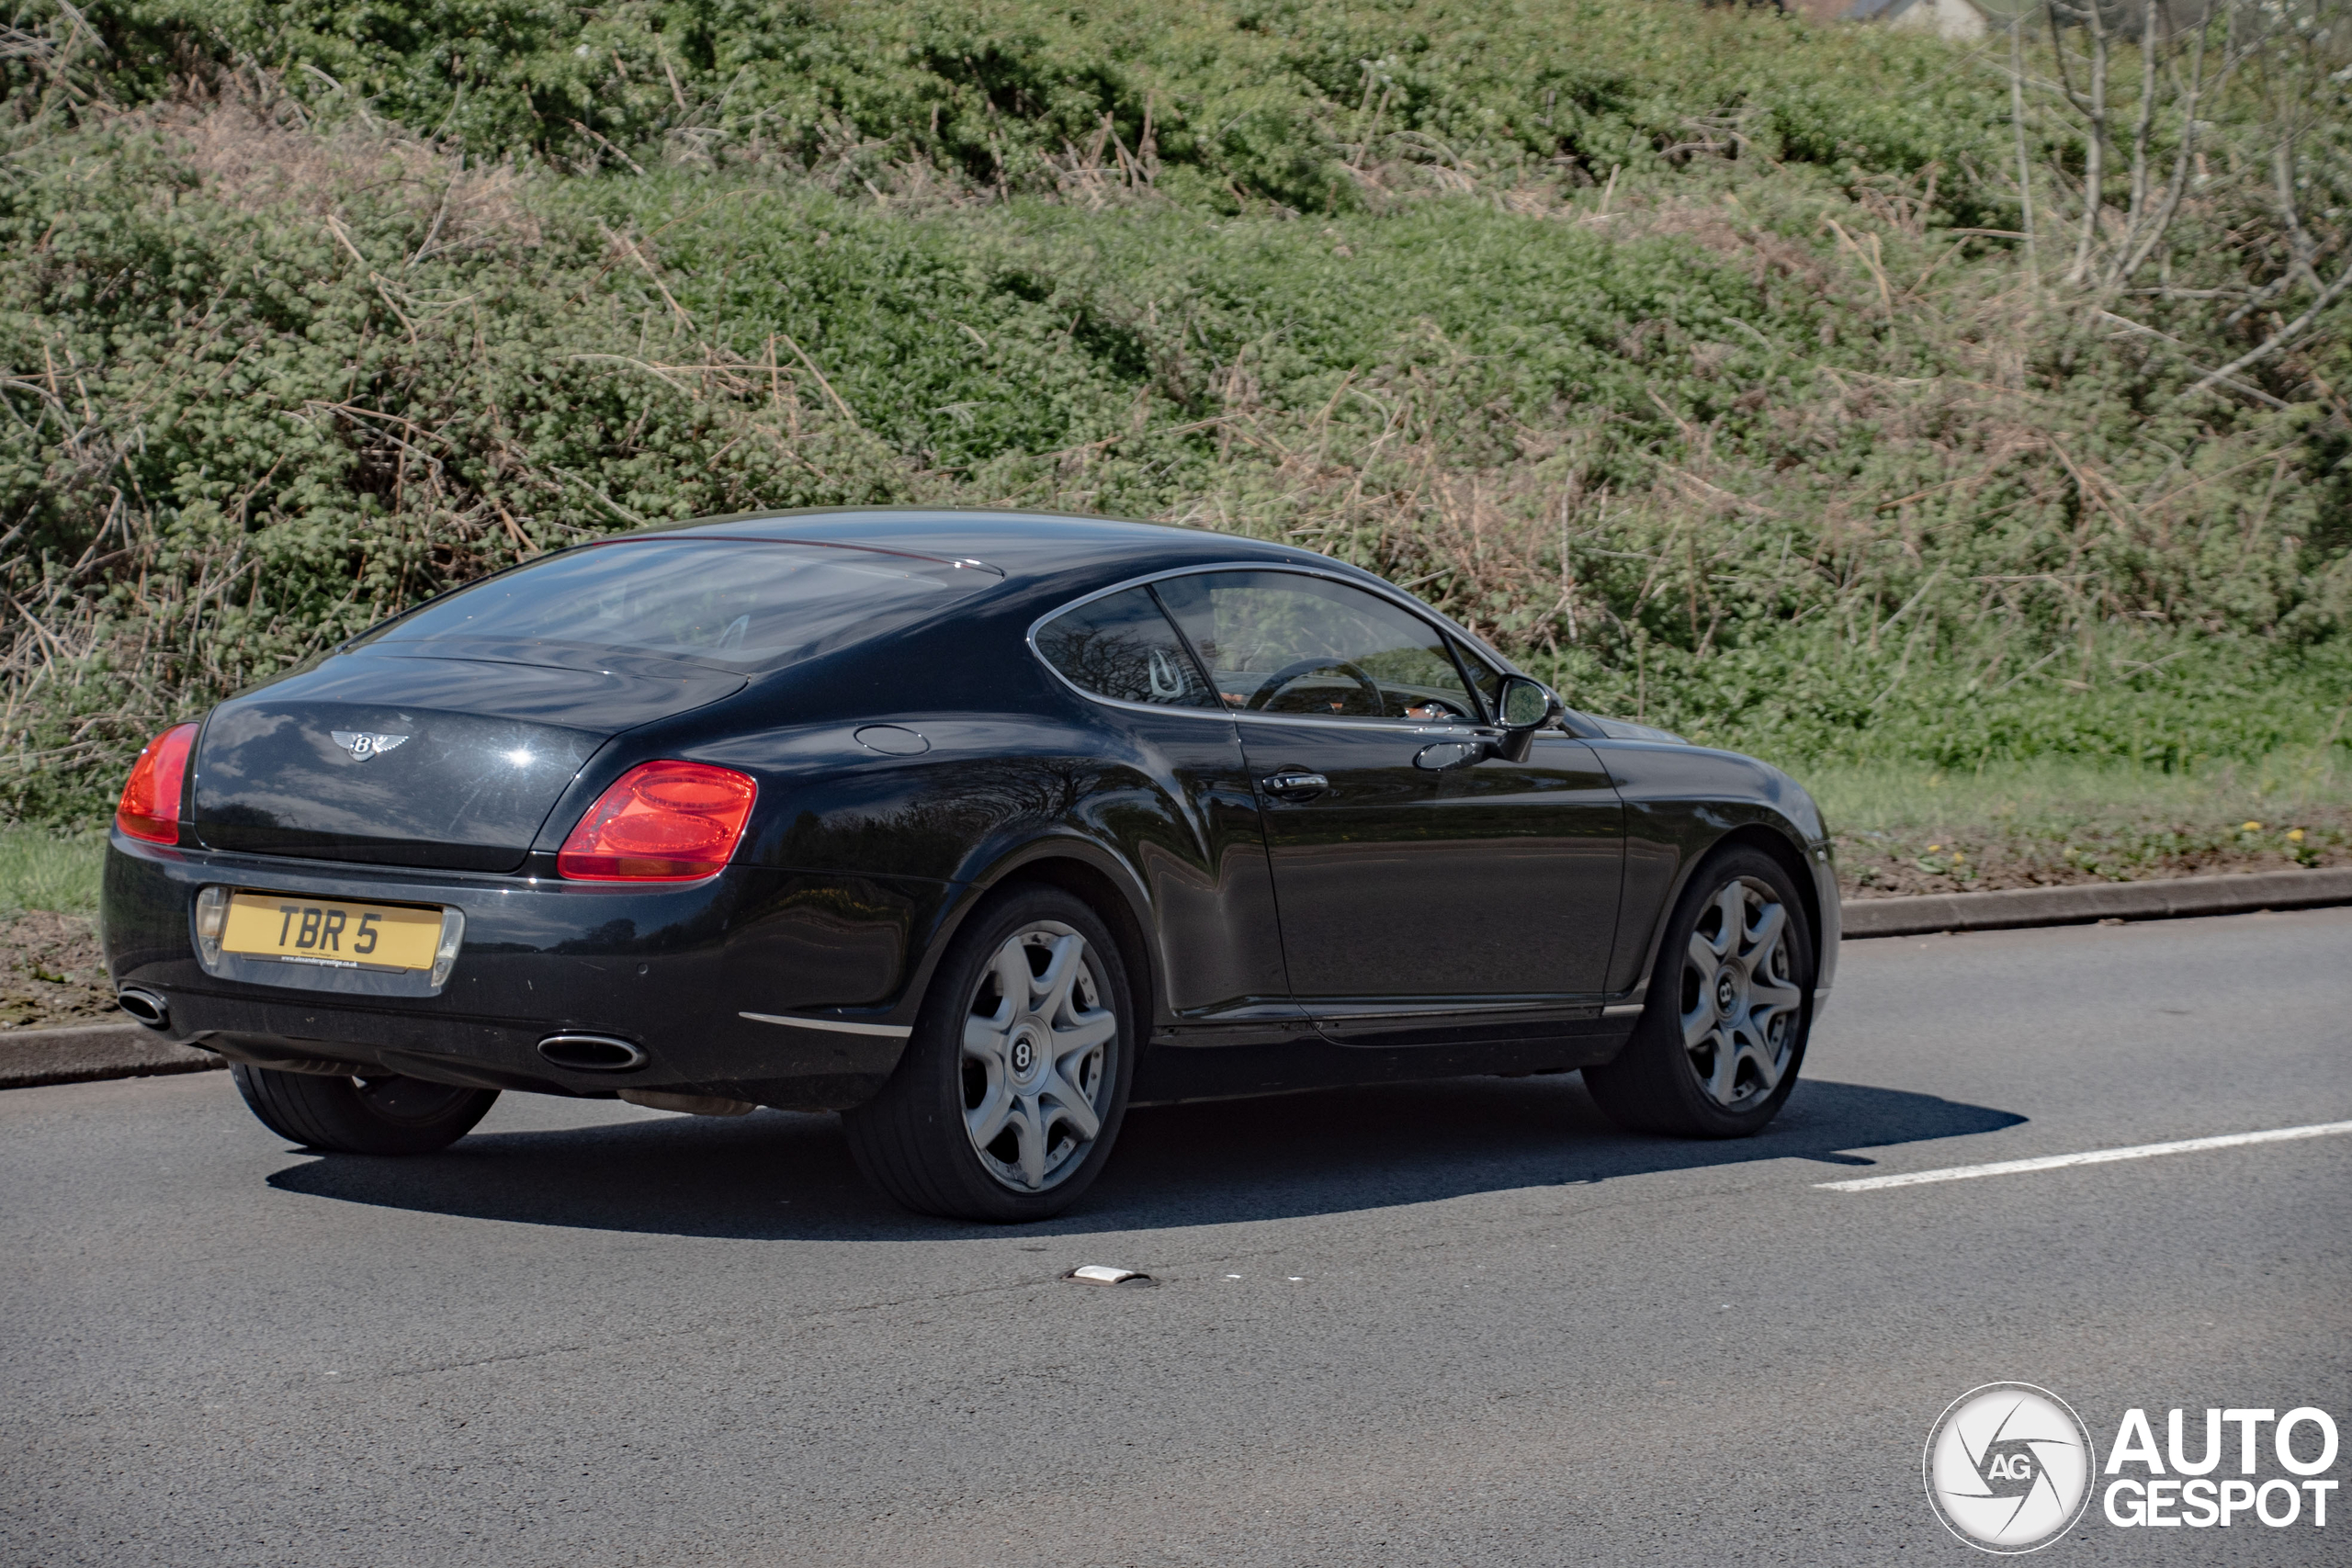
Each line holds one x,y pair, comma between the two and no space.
41,869
2054,821
51,973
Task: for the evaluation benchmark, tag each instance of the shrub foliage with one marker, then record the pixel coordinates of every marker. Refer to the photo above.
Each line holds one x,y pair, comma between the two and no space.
1695,355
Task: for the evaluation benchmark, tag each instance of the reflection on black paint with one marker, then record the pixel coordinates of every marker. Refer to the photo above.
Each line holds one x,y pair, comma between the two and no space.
937,811
610,937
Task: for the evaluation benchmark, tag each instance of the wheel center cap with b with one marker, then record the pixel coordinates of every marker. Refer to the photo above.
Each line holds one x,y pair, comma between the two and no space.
1726,993
1025,1053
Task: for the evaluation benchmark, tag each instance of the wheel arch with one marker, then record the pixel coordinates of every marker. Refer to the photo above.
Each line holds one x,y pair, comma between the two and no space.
1791,857
1087,872
1099,891
1777,840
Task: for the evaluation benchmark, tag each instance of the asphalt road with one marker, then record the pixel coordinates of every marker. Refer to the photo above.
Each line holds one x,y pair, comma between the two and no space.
1463,1323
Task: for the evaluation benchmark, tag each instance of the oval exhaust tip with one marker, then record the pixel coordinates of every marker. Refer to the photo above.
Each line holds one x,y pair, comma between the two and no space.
592,1053
145,1006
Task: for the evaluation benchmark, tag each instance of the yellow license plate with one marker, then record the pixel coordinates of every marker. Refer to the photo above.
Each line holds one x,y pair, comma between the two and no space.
331,932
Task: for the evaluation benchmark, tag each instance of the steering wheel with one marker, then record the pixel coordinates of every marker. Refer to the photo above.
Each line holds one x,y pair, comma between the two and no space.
1292,671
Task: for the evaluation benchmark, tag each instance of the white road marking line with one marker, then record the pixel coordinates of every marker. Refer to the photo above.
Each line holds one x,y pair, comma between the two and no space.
2095,1156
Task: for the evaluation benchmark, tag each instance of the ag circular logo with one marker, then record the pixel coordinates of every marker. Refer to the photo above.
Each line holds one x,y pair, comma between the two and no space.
2008,1467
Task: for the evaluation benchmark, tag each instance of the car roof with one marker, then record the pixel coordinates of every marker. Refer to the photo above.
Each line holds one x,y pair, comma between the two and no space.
1021,545
1048,551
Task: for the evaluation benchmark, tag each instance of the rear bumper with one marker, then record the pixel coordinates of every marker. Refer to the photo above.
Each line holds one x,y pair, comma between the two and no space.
671,969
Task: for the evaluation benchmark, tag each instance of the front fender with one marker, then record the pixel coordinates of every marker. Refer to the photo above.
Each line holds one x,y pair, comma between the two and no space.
1681,803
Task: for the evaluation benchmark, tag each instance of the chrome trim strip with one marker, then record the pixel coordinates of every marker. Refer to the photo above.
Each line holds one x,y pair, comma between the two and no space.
886,1031
1254,1009
1622,1009
1445,1007
1386,726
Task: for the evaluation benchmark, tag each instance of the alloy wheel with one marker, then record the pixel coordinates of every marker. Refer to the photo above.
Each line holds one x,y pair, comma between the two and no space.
1739,1006
1037,1066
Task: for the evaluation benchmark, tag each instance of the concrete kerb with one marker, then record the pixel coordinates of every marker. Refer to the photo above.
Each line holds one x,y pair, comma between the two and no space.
30,1057
2172,899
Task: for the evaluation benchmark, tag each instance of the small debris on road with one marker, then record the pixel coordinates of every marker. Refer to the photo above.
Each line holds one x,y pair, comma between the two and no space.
1104,1274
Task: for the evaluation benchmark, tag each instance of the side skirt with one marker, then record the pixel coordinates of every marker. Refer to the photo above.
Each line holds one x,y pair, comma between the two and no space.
1170,1074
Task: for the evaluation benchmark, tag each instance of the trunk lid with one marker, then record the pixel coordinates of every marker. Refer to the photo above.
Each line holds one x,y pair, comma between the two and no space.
450,759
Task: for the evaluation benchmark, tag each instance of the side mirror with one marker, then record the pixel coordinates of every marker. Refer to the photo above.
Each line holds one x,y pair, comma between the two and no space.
1526,706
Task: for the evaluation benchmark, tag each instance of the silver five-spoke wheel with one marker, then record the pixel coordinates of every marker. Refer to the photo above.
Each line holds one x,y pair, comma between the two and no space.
1722,1034
1037,1052
1008,1095
1738,1003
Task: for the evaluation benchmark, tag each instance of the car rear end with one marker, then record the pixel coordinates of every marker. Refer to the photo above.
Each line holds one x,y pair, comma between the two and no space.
476,847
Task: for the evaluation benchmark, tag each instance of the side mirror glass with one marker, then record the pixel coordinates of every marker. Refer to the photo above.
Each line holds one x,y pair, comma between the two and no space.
1526,706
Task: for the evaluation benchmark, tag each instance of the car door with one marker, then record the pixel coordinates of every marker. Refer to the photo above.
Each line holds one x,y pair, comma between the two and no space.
1423,895
1544,842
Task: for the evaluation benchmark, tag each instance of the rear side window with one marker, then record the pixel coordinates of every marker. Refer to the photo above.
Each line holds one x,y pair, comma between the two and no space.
1122,648
746,604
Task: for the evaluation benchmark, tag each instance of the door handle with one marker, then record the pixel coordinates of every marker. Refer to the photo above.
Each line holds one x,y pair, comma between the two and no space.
1295,784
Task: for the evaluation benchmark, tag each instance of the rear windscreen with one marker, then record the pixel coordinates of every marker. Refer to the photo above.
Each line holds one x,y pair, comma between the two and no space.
746,604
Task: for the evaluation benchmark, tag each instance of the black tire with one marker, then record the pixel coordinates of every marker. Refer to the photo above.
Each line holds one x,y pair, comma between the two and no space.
1723,1070
913,1140
379,1114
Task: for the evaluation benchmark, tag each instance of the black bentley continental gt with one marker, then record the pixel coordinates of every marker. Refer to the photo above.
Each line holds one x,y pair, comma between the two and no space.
975,828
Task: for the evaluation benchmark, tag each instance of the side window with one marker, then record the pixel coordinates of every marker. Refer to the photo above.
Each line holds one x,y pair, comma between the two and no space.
1280,642
1122,647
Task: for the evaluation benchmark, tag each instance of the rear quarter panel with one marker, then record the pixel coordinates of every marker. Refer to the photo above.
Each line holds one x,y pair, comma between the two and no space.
995,791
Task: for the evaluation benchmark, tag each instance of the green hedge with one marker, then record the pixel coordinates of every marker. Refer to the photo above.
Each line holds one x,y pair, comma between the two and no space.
1237,101
1750,441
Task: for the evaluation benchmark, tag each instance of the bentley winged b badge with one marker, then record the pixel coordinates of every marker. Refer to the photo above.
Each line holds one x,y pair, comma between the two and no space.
362,745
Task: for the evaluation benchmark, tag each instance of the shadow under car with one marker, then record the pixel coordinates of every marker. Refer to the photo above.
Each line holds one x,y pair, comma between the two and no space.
781,1176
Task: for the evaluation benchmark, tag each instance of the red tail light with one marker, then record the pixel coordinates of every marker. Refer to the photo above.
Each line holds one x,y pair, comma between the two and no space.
150,808
662,822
